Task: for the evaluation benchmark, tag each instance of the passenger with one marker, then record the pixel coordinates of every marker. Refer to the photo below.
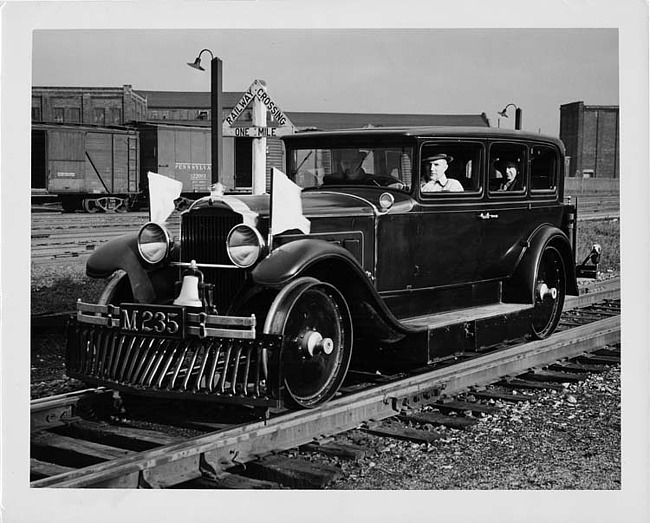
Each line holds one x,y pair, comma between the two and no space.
510,177
435,169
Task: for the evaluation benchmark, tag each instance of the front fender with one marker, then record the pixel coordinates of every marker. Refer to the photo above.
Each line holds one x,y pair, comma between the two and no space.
292,259
335,265
522,285
122,253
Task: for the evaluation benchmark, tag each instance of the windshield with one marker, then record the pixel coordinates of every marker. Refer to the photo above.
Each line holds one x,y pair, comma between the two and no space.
376,166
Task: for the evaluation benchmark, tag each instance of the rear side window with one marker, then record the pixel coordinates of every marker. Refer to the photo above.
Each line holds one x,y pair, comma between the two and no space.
507,173
543,168
450,169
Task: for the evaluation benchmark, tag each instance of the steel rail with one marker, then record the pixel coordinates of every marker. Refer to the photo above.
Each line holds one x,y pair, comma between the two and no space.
595,292
207,455
45,412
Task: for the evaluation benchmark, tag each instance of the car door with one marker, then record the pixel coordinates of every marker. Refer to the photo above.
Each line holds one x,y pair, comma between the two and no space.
506,219
449,231
513,215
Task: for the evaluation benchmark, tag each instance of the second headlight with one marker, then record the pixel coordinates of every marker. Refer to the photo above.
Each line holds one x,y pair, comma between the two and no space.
244,245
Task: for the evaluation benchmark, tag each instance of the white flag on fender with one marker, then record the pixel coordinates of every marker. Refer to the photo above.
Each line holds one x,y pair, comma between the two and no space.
286,205
162,193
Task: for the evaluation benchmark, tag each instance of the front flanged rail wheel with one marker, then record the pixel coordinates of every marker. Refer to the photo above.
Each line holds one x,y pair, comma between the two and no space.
550,290
315,323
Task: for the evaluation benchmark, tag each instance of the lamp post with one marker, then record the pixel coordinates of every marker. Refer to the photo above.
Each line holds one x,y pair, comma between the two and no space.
517,115
216,96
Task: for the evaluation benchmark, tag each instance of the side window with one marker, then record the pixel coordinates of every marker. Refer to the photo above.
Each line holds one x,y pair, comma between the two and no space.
543,168
450,168
506,166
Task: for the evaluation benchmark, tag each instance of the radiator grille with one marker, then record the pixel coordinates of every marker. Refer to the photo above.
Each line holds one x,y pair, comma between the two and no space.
203,238
222,370
204,233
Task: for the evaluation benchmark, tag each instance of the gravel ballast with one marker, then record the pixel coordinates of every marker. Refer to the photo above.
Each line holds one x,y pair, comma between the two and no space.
561,440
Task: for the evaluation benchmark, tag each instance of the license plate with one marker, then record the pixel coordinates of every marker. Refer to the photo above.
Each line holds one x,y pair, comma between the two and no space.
165,321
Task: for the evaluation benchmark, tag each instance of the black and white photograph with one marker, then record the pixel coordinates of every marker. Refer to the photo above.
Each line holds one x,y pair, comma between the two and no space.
305,260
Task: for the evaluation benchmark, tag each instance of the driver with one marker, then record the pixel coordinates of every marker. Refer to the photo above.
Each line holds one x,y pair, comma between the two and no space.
349,169
350,166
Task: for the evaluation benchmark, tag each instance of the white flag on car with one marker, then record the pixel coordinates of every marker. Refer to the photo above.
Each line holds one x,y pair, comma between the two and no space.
162,193
286,205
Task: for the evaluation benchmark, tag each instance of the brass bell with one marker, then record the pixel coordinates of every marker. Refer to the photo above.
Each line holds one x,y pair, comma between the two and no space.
192,283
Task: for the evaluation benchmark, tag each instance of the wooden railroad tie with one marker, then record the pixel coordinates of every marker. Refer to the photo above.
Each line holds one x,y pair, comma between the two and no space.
502,396
290,472
437,419
403,433
77,453
346,451
553,376
517,383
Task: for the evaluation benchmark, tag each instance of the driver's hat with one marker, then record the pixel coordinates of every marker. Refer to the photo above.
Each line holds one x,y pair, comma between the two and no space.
439,156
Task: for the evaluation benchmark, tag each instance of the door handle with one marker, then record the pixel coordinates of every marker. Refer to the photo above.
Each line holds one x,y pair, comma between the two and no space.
488,216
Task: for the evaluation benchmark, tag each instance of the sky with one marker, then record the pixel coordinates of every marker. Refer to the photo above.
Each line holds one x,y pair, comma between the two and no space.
420,71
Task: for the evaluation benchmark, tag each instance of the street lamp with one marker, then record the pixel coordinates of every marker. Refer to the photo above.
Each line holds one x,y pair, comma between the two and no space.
517,115
215,107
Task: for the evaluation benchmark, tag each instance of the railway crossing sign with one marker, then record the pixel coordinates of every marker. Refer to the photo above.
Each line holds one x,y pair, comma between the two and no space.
263,105
257,94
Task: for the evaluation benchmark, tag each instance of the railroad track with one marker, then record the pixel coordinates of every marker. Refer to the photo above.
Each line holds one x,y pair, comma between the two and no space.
62,236
83,439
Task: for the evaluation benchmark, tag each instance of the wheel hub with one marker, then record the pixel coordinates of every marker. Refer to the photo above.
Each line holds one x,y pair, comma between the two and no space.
544,291
314,343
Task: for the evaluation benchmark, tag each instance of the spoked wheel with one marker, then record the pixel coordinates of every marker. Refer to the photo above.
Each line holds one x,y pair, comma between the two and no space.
90,205
314,320
550,290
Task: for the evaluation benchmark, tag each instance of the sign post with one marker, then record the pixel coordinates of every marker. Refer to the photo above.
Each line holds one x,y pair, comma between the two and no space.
263,105
259,149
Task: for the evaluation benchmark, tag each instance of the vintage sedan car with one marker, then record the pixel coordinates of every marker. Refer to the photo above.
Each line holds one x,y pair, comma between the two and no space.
423,243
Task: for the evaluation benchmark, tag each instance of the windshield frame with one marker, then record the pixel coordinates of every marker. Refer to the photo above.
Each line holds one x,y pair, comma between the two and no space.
319,164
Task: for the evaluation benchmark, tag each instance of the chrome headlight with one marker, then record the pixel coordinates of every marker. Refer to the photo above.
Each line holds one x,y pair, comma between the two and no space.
244,245
154,242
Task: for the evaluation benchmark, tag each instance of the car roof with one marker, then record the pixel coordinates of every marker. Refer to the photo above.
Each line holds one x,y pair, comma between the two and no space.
424,132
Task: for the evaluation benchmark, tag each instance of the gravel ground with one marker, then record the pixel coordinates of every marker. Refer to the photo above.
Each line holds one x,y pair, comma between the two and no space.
561,440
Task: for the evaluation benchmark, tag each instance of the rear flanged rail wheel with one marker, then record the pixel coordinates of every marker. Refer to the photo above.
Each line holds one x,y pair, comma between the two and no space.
314,320
550,290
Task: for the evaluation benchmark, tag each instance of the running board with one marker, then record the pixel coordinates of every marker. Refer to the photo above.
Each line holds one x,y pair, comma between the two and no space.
448,334
444,319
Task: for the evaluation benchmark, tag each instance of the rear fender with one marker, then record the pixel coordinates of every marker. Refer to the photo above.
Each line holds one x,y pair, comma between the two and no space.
521,287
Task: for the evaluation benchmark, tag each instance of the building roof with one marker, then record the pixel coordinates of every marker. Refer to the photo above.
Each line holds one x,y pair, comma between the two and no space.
316,120
328,121
186,99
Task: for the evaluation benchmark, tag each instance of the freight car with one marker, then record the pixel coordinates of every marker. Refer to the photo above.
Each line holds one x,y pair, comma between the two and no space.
105,168
179,152
89,168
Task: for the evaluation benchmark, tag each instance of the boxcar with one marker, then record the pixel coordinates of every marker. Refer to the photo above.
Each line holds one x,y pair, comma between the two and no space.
178,151
89,168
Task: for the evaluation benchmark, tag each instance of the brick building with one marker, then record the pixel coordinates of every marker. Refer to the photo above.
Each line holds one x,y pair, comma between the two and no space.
103,106
591,136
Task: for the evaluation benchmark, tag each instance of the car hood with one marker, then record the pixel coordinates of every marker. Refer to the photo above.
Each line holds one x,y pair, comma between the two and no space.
315,203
